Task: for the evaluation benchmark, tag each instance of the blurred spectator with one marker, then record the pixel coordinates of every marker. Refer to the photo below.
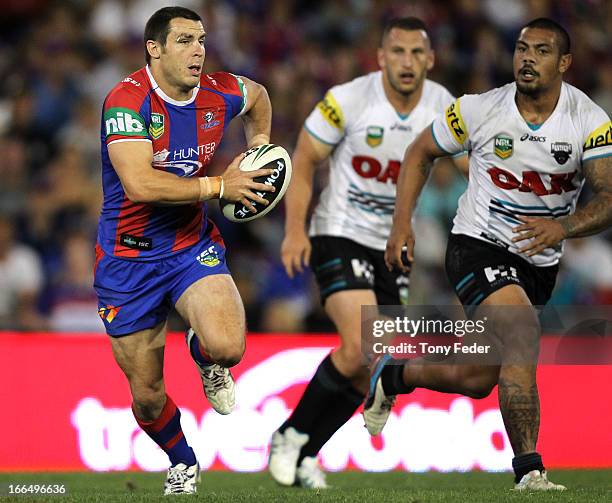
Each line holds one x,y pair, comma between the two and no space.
14,174
21,280
72,303
591,284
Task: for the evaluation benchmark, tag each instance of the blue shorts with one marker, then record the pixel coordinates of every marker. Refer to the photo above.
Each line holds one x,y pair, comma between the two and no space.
136,295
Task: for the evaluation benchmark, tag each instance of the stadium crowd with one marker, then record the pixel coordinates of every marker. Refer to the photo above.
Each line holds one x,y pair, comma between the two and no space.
58,59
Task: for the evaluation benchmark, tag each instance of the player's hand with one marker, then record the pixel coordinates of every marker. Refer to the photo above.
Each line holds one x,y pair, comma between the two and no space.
400,240
542,232
295,252
239,186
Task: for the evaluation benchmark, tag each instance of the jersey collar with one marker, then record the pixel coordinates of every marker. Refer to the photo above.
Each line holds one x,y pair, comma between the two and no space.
167,98
538,127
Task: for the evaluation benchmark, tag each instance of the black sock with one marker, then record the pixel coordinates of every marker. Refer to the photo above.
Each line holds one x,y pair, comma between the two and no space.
319,397
525,463
346,403
393,379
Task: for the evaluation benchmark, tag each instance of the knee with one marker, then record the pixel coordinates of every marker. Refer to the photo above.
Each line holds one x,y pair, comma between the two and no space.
148,400
350,358
478,383
227,355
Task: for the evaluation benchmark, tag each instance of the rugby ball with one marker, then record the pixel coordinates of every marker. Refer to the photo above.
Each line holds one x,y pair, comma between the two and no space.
263,156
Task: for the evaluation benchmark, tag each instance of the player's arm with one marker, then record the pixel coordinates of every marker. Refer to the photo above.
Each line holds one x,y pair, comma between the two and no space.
257,114
414,172
593,217
462,163
142,183
596,215
308,154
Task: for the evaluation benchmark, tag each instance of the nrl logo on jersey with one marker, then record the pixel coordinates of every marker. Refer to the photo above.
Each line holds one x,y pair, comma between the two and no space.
156,128
561,151
503,146
374,135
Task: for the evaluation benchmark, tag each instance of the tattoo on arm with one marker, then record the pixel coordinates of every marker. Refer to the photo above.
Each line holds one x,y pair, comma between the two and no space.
596,215
520,408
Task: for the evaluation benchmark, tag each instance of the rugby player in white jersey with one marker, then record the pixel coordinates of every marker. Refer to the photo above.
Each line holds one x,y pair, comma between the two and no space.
532,145
364,127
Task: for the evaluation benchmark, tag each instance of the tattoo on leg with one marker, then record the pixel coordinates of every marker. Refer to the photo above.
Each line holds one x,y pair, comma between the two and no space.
520,409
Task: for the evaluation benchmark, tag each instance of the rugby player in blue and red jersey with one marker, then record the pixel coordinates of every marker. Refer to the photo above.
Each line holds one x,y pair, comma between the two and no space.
156,247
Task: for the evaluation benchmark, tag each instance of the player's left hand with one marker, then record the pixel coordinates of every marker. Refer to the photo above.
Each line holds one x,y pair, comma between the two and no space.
543,233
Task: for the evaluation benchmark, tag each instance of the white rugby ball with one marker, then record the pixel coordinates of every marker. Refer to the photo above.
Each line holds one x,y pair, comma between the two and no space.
264,156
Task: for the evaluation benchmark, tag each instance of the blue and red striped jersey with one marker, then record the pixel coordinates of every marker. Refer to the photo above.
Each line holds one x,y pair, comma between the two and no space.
184,137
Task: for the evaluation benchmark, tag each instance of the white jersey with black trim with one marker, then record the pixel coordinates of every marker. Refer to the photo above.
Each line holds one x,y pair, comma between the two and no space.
370,140
517,169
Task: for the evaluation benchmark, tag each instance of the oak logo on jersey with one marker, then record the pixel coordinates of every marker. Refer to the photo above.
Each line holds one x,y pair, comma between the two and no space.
532,181
368,167
209,257
331,111
561,151
124,122
455,123
108,313
156,128
503,146
374,135
601,137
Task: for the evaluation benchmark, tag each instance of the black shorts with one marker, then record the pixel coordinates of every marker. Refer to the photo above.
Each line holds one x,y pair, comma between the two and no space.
342,264
476,269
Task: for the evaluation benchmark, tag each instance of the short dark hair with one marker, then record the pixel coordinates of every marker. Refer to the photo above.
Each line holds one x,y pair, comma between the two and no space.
403,23
545,23
158,25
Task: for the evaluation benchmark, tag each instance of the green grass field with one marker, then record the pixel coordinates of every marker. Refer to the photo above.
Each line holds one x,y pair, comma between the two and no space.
584,485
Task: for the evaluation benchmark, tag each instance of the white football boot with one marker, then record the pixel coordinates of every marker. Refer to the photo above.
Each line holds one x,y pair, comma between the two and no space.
182,479
536,480
284,453
377,406
218,383
309,474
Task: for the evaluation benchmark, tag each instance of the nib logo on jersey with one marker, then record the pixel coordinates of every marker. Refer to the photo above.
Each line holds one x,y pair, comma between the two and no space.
124,122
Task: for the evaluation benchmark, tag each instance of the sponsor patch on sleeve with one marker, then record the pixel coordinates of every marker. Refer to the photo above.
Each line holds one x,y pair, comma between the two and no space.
455,123
124,122
330,109
243,91
601,137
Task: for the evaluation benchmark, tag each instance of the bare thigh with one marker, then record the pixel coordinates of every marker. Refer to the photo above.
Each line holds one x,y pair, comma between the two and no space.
344,309
213,308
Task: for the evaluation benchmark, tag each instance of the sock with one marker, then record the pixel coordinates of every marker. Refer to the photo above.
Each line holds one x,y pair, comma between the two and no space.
393,379
346,403
198,353
525,463
320,396
166,432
